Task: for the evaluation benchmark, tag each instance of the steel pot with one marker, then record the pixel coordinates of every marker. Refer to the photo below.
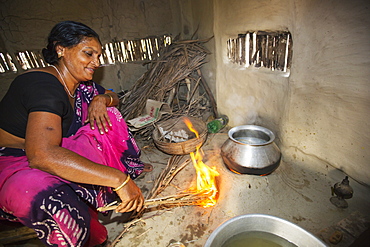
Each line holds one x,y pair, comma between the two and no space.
263,223
250,149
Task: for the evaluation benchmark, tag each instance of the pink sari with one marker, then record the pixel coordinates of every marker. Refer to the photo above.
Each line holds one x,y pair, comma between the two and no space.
61,212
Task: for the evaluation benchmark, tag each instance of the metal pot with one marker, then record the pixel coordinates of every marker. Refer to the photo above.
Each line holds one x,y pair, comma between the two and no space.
244,224
251,149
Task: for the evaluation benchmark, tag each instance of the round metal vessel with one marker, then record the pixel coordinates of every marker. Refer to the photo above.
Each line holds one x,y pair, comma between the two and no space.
250,149
262,223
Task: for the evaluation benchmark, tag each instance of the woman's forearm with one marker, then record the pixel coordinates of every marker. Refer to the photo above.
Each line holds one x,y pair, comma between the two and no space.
70,166
112,98
109,98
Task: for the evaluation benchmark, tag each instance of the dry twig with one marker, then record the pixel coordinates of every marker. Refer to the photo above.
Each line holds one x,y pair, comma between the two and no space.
177,65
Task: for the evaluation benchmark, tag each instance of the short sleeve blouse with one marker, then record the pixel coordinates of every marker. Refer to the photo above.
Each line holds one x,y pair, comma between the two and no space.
31,92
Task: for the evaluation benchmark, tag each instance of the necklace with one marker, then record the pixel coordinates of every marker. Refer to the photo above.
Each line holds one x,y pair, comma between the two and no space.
64,83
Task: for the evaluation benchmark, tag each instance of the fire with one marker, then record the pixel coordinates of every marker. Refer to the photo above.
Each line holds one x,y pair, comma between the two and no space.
206,176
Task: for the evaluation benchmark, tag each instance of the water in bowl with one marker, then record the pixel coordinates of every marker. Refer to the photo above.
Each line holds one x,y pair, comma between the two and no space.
257,239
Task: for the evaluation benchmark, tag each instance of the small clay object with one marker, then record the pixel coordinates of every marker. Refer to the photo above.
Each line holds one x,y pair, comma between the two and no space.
336,237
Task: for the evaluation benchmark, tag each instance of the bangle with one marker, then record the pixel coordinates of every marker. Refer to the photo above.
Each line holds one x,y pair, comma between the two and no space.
111,99
123,184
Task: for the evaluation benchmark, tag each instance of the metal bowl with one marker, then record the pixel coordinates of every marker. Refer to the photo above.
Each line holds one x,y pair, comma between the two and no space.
263,223
250,149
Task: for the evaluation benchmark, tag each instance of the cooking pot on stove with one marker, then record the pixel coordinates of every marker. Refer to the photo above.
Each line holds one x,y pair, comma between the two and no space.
250,149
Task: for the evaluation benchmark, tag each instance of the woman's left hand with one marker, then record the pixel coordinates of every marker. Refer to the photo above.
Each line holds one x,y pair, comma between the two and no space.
97,113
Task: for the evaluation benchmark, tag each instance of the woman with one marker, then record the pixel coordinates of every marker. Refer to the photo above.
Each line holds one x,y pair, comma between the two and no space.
55,170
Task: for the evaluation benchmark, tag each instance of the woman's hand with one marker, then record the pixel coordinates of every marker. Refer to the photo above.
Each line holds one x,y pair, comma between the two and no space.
97,113
131,197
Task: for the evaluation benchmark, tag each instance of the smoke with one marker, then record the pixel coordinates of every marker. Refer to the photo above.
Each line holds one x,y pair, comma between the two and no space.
243,109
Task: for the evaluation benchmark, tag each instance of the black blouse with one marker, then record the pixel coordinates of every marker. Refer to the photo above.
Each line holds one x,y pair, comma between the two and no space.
31,92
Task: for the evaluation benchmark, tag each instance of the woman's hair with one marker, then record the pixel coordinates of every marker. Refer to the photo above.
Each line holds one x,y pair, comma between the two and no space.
66,34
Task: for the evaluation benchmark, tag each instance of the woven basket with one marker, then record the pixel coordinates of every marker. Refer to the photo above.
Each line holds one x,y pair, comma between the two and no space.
184,147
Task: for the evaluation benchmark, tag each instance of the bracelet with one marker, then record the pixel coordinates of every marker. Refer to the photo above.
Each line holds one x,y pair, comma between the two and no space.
123,184
111,99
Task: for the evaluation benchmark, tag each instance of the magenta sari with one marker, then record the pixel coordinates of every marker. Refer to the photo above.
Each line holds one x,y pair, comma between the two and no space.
61,212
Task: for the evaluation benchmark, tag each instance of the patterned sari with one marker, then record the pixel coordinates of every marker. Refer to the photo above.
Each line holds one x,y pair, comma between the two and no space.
61,212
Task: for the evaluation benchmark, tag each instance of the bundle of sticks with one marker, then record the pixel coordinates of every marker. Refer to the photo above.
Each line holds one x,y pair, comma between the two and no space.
181,199
184,198
177,67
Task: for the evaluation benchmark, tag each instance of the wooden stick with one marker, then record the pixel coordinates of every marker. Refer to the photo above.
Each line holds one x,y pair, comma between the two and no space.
181,199
167,175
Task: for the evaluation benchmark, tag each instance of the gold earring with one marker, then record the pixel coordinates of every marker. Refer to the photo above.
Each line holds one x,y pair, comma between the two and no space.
59,54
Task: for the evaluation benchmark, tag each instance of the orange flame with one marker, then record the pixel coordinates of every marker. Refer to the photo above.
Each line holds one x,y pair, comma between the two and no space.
206,176
189,124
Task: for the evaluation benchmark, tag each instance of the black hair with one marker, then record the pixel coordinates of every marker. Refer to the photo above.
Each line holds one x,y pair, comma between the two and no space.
66,34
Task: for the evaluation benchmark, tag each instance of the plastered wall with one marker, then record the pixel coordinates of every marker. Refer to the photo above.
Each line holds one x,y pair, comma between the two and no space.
321,112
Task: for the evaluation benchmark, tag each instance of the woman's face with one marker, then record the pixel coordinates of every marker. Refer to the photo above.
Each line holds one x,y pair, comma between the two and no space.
83,59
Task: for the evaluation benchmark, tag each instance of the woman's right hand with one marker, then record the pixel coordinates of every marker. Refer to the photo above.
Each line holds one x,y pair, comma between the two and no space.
131,197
